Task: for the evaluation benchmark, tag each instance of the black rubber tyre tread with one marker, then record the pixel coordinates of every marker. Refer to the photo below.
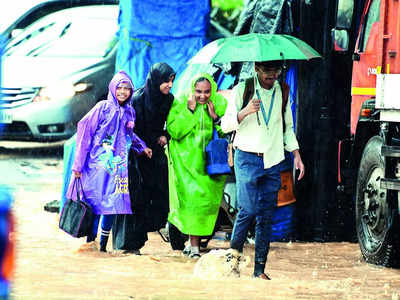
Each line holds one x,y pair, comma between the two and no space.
387,253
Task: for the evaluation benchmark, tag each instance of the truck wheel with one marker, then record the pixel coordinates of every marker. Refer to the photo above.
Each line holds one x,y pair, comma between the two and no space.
376,217
176,238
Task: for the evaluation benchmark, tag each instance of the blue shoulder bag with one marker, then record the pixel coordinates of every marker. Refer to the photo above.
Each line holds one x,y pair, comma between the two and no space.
217,156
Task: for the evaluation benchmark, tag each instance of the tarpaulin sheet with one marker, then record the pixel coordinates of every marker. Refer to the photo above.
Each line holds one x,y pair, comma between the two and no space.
154,31
68,161
291,80
2,46
265,16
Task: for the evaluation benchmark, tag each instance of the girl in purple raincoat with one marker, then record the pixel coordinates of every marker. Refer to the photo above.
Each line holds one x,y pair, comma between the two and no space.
104,136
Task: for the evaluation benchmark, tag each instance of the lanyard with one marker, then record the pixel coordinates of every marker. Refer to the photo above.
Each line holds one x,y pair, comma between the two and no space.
270,107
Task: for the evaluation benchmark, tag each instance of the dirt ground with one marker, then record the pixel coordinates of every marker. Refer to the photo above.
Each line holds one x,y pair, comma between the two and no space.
50,266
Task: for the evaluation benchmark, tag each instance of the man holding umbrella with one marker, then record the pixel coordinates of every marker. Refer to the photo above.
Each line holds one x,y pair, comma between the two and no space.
263,132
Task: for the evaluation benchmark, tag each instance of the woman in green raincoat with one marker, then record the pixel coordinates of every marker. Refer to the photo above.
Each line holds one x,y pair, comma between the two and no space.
195,197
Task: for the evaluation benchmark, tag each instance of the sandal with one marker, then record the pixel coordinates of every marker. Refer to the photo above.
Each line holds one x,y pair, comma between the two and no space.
187,250
135,252
194,255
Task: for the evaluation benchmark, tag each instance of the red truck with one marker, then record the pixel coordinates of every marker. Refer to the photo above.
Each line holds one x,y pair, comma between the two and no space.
372,153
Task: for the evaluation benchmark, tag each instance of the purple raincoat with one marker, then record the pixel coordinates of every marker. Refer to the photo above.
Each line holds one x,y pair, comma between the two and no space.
104,136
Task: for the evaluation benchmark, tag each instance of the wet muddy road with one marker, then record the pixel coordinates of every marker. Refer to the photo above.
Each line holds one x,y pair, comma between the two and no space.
50,266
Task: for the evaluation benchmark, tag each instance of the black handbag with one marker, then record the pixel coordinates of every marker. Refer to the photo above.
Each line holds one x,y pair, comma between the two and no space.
77,216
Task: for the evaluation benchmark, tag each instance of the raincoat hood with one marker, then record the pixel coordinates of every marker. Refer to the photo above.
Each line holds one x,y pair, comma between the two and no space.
154,99
212,82
120,77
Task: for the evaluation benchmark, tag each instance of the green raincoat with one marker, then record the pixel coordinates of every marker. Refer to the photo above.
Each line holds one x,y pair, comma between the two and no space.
195,197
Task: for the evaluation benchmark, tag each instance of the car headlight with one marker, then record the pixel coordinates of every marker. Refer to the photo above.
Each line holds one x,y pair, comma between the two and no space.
61,91
81,87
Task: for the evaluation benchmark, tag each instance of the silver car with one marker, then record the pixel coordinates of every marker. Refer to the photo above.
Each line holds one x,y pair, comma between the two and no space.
55,71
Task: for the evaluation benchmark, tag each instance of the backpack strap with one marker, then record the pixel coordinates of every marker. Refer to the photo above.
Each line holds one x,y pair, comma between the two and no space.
247,94
248,91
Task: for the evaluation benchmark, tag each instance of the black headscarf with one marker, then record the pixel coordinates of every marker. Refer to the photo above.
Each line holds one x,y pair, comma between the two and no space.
154,99
152,106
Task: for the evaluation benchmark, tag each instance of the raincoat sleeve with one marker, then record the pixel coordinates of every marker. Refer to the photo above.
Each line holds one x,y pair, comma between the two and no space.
138,145
220,109
289,137
86,129
180,120
229,121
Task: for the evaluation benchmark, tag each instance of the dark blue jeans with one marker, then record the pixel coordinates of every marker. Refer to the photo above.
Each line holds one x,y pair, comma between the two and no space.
257,194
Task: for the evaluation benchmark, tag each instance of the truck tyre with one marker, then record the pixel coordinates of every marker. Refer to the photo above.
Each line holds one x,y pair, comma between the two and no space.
376,214
176,238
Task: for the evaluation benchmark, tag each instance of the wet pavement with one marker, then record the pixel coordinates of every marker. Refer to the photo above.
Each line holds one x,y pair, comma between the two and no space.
52,265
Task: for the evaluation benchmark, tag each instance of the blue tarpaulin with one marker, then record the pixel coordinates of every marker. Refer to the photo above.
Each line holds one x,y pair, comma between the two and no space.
291,80
154,31
2,46
68,159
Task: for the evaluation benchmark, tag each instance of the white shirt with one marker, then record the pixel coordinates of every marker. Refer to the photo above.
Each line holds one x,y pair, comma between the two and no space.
252,137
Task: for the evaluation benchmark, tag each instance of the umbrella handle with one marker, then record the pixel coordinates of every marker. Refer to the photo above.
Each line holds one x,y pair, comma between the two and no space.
259,98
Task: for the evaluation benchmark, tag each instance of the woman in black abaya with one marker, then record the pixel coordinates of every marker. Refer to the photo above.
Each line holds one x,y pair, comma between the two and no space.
152,103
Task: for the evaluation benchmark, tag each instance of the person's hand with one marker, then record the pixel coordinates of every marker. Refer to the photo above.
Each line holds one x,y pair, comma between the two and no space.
77,174
148,152
253,106
298,163
162,141
211,110
130,124
191,103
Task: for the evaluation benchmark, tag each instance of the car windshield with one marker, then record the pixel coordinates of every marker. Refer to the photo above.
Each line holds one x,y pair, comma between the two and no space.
62,34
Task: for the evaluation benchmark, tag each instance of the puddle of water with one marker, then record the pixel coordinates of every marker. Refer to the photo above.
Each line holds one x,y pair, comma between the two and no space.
49,265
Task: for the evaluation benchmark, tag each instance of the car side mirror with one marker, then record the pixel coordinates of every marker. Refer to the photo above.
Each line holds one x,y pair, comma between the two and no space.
340,40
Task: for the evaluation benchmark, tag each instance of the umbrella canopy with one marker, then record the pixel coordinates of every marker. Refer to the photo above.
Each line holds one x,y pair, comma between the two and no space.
254,47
